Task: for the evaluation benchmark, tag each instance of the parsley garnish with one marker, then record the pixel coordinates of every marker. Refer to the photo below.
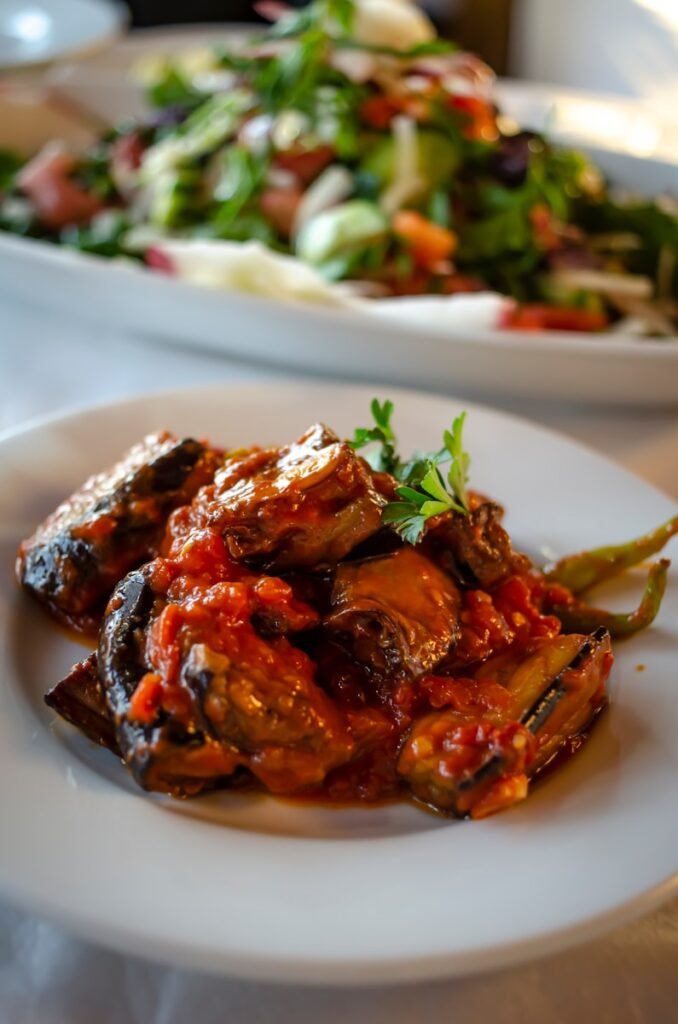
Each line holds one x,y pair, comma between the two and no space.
433,494
385,459
424,491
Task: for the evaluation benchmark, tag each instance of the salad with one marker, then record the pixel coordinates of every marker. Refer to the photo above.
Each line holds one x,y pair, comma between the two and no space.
347,151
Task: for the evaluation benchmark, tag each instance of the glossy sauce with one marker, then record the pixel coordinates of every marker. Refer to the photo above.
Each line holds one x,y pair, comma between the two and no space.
363,716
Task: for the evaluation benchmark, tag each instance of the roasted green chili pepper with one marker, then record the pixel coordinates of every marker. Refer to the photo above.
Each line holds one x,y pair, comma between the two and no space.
579,618
579,572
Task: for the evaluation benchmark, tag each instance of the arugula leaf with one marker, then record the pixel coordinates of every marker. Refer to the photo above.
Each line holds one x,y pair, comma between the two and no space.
497,240
10,163
94,174
429,49
655,226
339,13
244,227
173,90
103,236
241,179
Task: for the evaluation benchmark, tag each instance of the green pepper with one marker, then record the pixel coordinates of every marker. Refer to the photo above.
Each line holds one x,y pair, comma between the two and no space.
579,572
579,618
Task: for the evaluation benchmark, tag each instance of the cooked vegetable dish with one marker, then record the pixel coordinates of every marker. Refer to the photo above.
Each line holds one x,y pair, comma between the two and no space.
353,140
325,620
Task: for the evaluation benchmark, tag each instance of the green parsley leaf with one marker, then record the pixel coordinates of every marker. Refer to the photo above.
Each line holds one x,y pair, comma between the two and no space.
426,493
461,460
385,459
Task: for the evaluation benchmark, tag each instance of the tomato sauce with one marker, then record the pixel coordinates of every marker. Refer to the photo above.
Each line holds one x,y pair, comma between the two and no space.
209,599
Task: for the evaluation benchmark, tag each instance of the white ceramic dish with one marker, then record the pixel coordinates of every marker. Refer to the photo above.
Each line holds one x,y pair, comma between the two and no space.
580,368
34,33
260,888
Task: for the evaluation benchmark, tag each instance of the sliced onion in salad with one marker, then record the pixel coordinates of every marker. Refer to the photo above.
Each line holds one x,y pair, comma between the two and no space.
407,183
333,186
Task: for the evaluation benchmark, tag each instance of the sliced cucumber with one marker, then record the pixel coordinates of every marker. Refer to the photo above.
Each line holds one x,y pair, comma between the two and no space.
436,161
343,229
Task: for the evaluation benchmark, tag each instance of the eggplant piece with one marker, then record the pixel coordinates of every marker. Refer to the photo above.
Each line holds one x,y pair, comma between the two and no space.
306,505
80,700
114,522
166,755
476,766
475,549
397,614
273,712
266,714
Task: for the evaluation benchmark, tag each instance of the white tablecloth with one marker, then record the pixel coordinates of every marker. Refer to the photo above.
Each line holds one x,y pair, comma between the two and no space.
46,977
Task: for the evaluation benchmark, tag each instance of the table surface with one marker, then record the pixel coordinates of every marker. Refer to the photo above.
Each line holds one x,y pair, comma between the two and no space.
48,977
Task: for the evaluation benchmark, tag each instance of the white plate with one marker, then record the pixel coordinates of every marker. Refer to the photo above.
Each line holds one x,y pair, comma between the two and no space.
39,31
261,888
576,367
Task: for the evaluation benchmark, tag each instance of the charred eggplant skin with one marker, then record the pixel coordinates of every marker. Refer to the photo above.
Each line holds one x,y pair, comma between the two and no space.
165,755
119,654
79,699
550,707
544,706
114,522
120,666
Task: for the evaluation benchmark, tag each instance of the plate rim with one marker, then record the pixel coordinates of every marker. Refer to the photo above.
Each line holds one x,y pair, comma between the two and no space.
550,342
74,411
307,970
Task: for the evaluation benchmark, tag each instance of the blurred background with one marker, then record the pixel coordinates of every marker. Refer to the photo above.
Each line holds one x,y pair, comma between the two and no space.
628,47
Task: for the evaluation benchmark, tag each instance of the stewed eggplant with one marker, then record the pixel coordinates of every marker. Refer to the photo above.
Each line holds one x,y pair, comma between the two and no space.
317,622
397,614
307,505
79,699
476,760
113,522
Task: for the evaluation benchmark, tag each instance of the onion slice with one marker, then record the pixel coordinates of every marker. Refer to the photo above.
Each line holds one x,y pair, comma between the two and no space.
331,188
633,286
407,184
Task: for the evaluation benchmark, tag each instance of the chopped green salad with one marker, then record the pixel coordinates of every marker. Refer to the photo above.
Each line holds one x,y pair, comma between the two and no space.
375,154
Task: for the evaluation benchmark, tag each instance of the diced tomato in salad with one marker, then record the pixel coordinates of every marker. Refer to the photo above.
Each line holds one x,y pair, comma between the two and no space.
540,317
279,206
57,199
305,164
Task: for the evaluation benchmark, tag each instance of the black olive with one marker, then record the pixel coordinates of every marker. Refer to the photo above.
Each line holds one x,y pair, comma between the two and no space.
512,159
